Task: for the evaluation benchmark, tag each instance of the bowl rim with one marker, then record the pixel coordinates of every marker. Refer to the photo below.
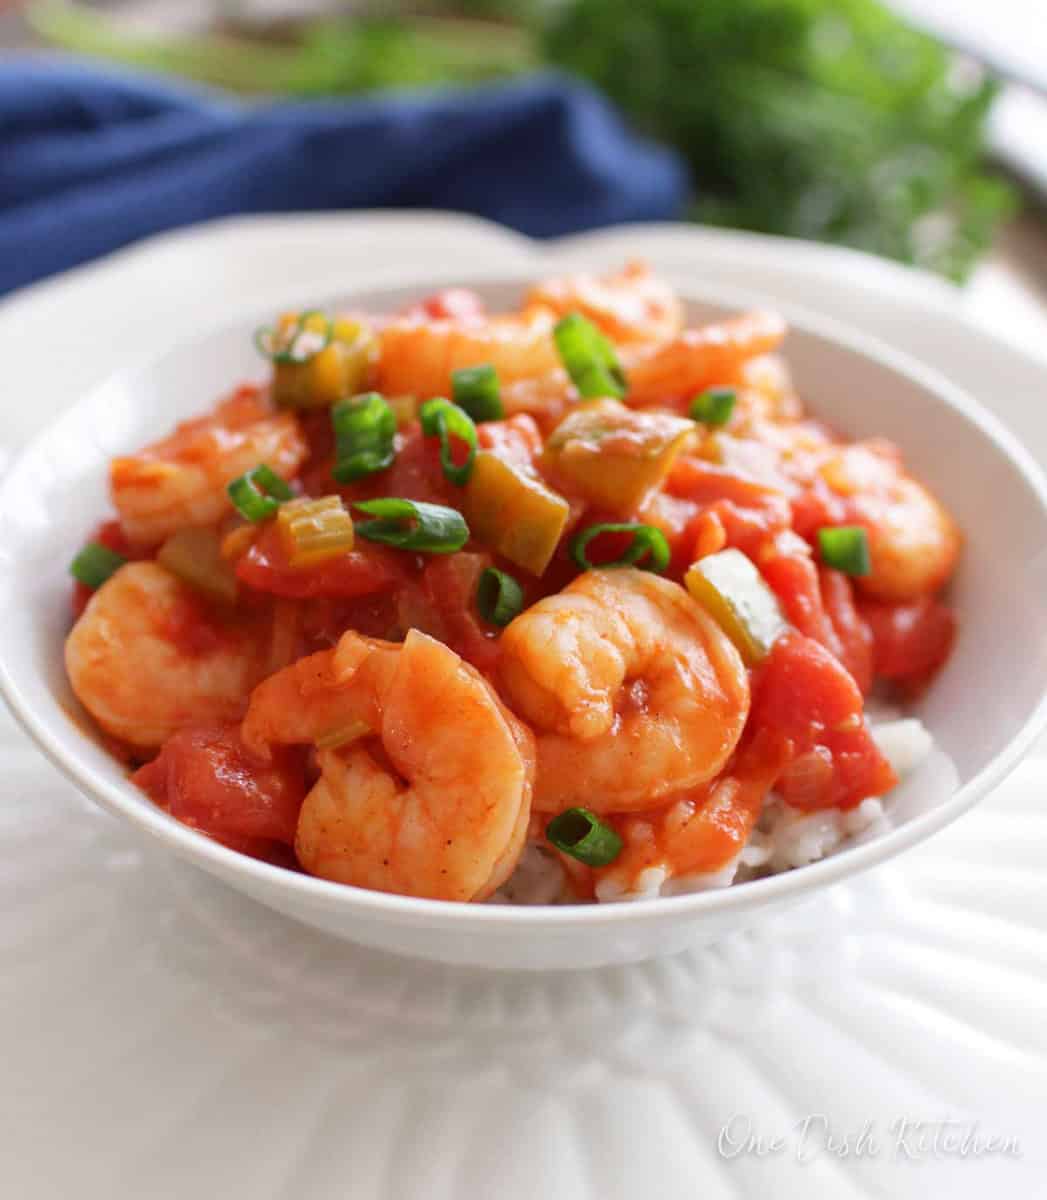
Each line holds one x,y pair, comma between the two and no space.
123,799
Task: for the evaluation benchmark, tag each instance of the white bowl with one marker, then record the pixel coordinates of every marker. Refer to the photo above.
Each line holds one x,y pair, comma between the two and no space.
984,710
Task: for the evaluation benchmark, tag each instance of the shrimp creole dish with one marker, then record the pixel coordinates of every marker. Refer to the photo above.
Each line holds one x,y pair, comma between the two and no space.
571,603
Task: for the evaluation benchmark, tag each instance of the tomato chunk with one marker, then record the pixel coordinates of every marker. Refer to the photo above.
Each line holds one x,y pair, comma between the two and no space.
853,638
449,585
208,779
804,693
454,304
366,569
804,690
515,440
792,575
910,641
820,603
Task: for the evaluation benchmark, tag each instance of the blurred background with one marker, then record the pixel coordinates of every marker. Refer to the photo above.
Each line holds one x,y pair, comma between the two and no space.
916,130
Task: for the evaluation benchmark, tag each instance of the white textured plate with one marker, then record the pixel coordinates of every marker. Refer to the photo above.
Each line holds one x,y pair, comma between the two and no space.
165,1038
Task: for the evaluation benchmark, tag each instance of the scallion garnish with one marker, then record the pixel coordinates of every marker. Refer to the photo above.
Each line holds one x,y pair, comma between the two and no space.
846,548
476,389
365,433
257,494
581,834
95,563
413,525
498,597
713,406
648,550
589,357
301,341
444,420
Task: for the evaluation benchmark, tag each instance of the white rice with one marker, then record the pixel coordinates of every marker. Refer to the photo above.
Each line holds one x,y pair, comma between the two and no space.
784,838
538,879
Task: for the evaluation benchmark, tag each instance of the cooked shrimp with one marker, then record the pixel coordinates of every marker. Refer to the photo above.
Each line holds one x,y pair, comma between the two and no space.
631,305
418,356
146,659
432,797
766,390
697,358
914,543
181,480
698,833
636,689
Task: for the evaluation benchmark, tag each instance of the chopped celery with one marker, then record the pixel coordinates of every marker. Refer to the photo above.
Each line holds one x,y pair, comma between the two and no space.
313,531
730,587
513,512
194,555
615,456
340,368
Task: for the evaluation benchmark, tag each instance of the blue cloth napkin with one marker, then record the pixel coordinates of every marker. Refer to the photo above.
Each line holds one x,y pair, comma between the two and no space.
91,160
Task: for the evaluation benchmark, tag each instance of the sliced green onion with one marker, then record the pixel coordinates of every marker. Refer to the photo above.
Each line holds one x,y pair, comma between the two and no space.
257,493
298,344
713,406
846,548
476,389
444,420
498,597
413,525
649,549
581,834
95,563
589,357
365,433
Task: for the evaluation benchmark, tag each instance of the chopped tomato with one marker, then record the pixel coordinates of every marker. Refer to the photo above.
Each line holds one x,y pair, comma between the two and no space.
859,768
455,304
710,536
910,641
366,569
606,547
750,529
678,518
750,513
706,482
803,690
792,575
807,781
207,778
805,694
854,643
415,475
449,586
819,603
315,474
516,440
815,506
